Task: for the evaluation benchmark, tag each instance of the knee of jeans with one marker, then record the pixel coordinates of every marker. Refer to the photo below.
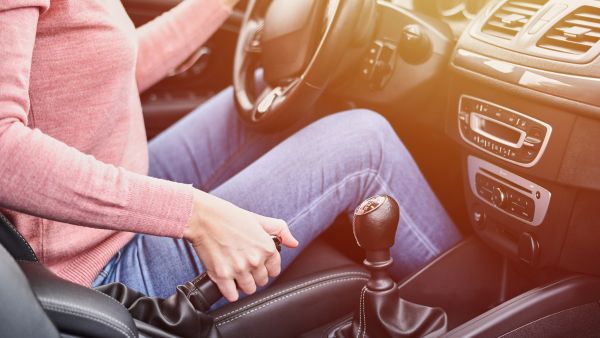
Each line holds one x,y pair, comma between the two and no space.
367,122
369,130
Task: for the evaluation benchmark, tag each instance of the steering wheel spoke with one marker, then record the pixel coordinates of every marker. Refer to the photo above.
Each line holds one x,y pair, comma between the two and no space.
265,101
254,44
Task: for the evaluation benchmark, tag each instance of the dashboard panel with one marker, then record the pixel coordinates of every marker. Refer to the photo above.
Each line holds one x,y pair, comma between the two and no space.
529,189
523,109
465,8
456,13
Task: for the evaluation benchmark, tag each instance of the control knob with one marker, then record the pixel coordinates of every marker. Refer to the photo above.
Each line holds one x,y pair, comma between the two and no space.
499,197
414,46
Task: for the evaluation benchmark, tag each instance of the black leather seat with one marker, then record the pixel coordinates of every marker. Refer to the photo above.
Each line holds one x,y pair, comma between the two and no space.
20,312
321,278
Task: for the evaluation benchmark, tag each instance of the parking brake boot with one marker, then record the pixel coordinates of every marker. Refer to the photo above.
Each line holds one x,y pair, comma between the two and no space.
382,312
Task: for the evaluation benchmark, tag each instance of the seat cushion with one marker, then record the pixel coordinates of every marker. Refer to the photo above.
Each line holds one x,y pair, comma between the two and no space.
317,257
319,287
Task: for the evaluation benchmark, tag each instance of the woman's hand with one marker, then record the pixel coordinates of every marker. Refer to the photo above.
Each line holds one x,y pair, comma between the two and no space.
235,244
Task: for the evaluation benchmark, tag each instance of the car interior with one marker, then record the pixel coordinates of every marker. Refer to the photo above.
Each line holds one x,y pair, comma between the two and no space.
498,102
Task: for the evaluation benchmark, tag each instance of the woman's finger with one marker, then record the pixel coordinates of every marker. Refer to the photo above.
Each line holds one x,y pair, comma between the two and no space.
273,265
227,288
246,283
261,276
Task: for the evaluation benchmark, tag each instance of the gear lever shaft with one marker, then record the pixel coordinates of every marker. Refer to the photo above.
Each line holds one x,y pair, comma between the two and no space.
374,224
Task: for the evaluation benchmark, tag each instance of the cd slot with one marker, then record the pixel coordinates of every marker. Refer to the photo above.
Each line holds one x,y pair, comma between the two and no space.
505,181
497,131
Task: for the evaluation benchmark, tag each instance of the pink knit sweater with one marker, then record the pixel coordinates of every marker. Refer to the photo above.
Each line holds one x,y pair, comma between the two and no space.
73,151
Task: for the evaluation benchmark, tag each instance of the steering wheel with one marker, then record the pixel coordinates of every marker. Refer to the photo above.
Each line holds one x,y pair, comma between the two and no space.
299,44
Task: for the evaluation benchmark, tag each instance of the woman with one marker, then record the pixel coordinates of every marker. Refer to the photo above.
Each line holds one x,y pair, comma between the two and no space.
74,159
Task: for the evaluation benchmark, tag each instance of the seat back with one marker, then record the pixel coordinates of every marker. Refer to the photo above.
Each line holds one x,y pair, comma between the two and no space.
36,303
20,312
14,242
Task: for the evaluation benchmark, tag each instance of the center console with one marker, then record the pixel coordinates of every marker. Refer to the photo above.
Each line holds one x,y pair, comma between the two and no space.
523,200
522,109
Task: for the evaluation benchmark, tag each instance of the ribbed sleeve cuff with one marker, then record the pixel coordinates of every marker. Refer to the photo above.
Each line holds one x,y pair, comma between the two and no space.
157,207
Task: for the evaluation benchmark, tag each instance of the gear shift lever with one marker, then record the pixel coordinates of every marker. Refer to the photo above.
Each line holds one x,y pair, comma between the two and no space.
382,313
375,223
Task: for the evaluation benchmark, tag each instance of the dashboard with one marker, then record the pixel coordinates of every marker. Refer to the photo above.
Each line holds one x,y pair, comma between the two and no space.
456,13
523,106
465,8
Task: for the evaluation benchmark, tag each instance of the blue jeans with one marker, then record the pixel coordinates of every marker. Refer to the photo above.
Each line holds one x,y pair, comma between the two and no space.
307,177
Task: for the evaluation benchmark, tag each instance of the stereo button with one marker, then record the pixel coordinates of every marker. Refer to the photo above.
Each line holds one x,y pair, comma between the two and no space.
530,154
522,124
512,119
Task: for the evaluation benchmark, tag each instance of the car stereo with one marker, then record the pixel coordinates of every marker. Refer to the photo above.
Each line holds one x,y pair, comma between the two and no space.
507,192
502,132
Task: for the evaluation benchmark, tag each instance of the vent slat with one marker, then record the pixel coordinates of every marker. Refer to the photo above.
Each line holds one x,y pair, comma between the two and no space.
517,10
578,44
512,16
499,25
582,23
536,6
576,34
589,16
559,48
592,36
595,35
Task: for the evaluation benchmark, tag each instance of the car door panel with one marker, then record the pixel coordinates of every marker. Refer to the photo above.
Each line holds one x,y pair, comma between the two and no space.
207,74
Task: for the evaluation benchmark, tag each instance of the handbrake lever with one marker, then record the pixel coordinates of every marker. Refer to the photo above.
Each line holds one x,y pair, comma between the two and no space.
204,292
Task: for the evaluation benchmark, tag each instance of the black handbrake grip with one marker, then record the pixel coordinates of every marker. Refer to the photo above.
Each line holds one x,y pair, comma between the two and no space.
203,292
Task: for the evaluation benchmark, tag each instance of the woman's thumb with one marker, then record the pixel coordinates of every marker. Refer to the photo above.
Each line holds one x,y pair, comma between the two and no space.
279,228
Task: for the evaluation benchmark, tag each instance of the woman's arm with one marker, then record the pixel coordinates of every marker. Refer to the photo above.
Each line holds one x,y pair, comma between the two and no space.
168,40
42,176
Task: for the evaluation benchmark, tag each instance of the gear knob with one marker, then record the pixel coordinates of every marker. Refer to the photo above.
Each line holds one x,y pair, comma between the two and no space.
375,223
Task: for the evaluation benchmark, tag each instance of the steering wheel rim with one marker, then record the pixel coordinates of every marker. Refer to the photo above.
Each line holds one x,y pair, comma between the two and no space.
281,104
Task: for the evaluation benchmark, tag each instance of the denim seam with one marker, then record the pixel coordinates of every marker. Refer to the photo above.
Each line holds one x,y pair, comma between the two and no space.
218,173
188,149
409,221
410,224
140,262
329,191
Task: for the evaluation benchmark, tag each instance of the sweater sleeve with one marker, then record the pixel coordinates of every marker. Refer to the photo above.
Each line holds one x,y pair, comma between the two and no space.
168,40
42,176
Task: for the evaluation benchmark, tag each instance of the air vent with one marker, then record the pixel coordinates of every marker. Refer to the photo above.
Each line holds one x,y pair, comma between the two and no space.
575,34
511,17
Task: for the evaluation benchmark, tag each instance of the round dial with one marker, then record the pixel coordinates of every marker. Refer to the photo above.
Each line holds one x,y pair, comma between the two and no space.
499,197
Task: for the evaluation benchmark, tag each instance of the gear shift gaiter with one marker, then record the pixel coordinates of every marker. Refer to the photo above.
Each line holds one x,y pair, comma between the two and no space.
381,312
